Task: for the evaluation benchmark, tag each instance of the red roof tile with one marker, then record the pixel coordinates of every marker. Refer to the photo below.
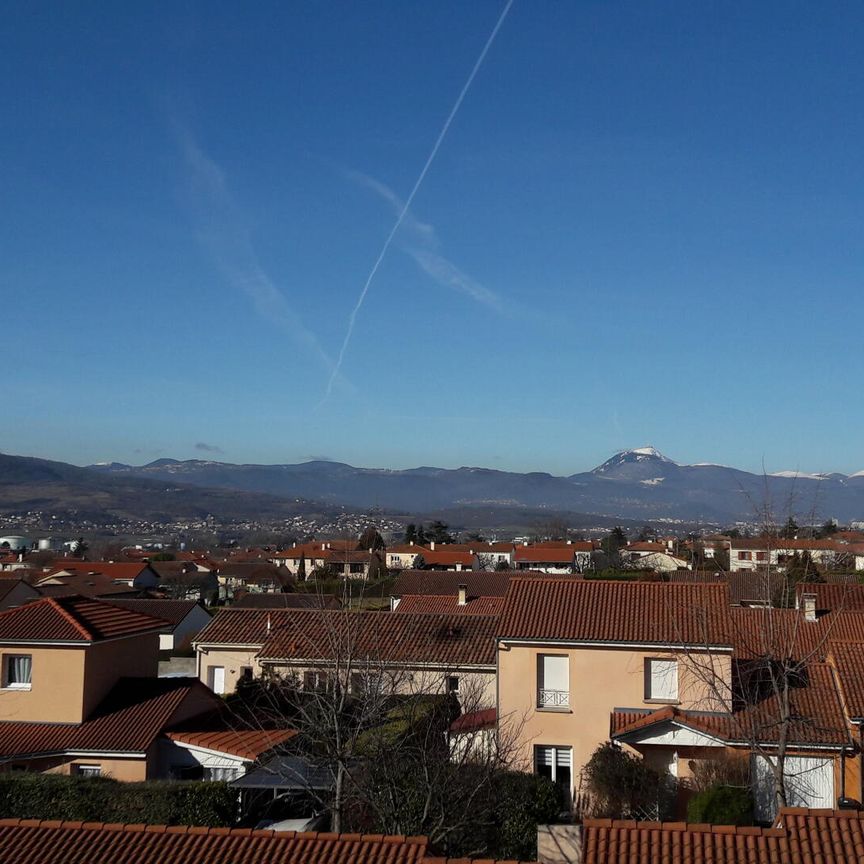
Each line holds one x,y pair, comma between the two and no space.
449,605
233,626
798,837
172,611
848,659
547,555
34,842
72,619
125,570
444,640
480,583
577,610
837,596
245,743
127,721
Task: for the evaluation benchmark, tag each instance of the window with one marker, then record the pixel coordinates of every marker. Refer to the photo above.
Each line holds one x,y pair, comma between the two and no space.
553,681
743,556
661,680
314,680
224,774
363,684
761,556
87,770
453,684
555,763
17,671
216,678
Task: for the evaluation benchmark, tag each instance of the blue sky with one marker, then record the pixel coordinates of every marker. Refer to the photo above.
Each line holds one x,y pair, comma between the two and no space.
644,226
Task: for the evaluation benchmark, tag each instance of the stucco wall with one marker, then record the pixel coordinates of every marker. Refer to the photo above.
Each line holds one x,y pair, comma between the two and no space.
601,679
106,662
56,690
232,660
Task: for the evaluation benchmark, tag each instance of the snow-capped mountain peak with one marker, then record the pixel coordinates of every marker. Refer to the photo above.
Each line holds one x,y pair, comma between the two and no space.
644,457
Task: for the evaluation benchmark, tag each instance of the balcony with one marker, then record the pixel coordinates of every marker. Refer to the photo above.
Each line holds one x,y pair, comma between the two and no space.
553,698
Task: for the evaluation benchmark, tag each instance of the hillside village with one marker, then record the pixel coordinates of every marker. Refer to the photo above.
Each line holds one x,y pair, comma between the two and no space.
649,679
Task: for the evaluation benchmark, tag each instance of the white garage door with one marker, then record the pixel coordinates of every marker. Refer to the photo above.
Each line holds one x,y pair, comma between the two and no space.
809,782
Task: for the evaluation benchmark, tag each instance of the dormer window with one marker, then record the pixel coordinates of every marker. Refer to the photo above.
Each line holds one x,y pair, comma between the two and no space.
17,671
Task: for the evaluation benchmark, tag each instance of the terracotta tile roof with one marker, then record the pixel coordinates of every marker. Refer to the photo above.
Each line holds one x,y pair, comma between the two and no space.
127,721
443,604
349,556
259,571
24,841
72,619
644,546
407,549
848,659
287,601
125,570
437,557
798,837
579,610
784,633
546,555
234,626
84,584
618,841
474,720
480,583
817,711
245,743
442,640
172,611
837,596
824,836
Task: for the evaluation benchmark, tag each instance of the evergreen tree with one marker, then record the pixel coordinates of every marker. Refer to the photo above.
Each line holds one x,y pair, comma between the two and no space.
411,533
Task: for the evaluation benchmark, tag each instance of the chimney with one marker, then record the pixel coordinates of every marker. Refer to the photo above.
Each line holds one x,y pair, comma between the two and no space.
432,545
463,595
808,604
269,623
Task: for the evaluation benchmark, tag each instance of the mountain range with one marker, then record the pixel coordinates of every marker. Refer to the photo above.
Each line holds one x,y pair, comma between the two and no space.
639,484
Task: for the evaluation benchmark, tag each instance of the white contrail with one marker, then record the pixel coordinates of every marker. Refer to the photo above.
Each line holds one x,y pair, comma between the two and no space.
410,198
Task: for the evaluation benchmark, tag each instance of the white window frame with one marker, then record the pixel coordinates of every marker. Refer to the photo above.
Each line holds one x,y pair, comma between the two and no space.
666,695
560,757
211,679
8,660
88,769
557,697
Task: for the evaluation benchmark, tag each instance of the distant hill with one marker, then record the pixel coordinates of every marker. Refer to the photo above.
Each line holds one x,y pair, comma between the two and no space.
639,484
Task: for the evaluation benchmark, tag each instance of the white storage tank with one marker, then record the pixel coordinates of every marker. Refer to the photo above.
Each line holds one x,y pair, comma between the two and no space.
15,543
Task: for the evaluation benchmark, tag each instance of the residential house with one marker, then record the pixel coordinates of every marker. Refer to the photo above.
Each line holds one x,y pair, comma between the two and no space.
80,693
311,556
404,556
64,584
652,556
183,619
253,577
478,583
139,575
424,650
570,556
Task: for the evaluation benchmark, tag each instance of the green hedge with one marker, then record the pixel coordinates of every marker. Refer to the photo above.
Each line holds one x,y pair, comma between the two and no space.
101,799
721,805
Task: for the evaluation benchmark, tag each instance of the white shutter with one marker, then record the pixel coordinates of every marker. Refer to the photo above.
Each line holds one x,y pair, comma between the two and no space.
217,679
563,757
555,673
544,755
662,679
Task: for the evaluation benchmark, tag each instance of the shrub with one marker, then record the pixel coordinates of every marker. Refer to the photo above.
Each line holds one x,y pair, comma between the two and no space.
101,799
722,805
620,785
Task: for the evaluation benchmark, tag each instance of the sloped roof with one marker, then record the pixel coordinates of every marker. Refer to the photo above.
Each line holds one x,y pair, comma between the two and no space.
816,708
172,611
480,583
233,626
800,836
127,721
848,659
113,569
24,841
445,640
245,743
836,596
449,605
83,584
545,555
287,601
578,610
72,619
